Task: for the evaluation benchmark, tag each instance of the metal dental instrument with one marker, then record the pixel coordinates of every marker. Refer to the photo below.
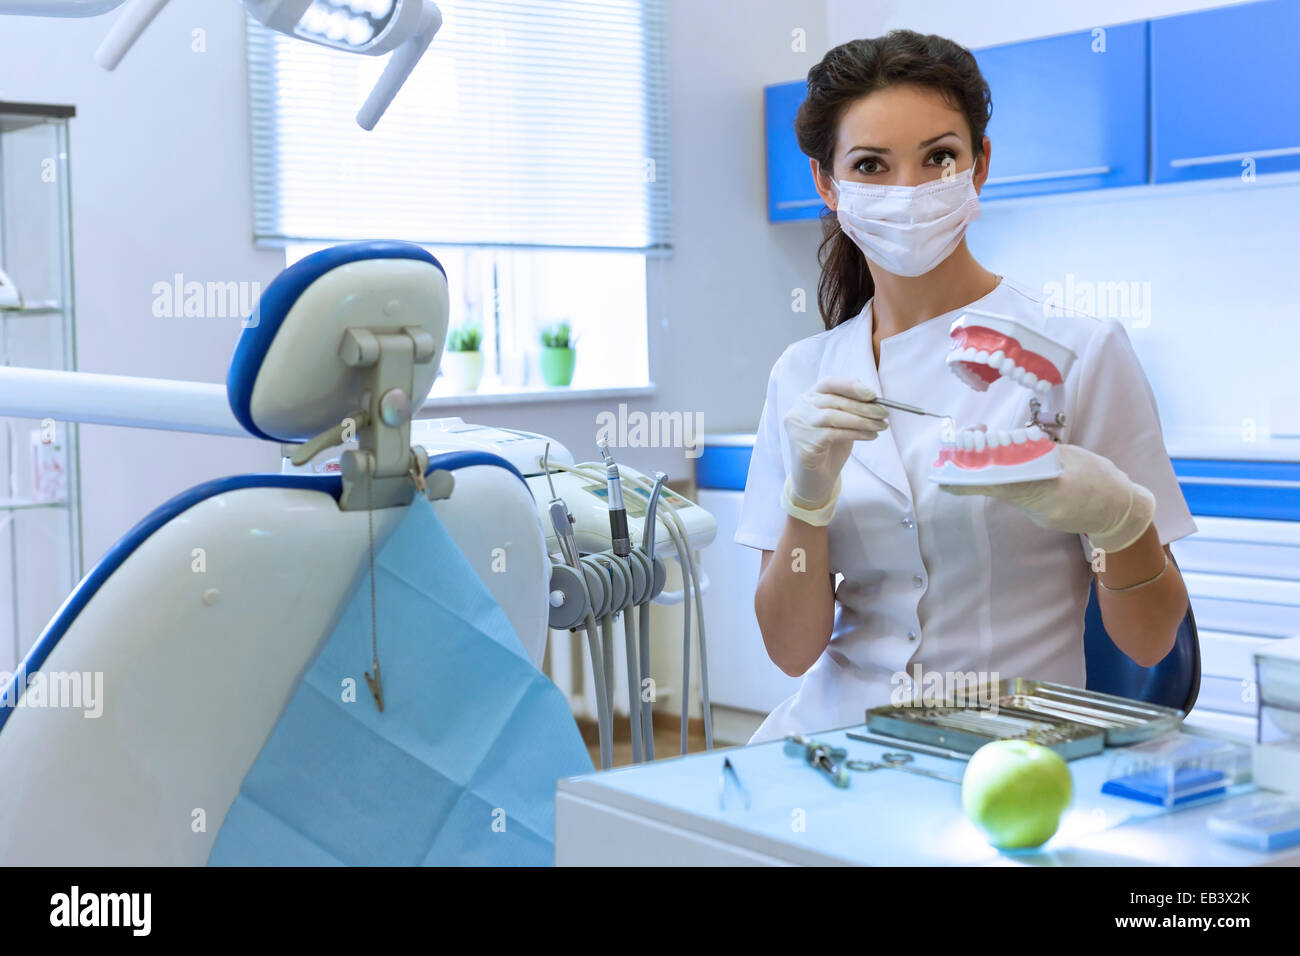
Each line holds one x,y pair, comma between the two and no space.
1052,427
798,743
904,407
909,745
620,542
729,772
898,761
621,545
819,756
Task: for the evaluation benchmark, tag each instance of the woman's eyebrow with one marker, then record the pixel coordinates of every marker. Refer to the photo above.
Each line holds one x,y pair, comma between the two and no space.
936,139
885,152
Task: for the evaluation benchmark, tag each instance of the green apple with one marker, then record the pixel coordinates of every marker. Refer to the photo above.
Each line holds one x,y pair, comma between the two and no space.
1015,791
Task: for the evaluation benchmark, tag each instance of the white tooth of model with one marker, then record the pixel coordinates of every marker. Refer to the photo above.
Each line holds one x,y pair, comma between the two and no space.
1029,380
982,357
1004,438
1043,386
1008,364
1019,436
978,441
1035,433
996,358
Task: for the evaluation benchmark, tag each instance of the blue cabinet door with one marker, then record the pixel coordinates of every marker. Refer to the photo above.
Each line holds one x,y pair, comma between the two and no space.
790,190
1069,112
1225,91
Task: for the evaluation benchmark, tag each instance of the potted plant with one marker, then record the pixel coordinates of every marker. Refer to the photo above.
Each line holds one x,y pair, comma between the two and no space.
462,362
558,355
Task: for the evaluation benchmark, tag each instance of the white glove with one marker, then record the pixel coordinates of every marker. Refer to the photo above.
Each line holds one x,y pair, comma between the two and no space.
821,428
1090,496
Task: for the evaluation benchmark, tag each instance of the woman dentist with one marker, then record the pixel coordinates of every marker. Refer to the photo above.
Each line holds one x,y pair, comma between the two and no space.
972,582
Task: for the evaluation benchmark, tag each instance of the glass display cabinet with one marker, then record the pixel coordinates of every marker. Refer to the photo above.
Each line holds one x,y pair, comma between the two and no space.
40,528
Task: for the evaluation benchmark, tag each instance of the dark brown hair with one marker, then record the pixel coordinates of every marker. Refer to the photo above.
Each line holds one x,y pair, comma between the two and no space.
853,70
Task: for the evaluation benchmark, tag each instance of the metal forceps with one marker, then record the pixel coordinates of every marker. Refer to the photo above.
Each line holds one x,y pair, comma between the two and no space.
898,761
821,757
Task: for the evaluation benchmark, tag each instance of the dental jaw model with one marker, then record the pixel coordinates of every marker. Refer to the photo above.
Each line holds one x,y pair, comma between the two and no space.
986,347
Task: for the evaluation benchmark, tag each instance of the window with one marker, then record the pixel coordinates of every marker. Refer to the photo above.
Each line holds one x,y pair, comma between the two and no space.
529,151
513,295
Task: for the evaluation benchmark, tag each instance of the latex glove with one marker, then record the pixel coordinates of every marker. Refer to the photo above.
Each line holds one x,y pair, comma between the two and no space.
821,428
1090,496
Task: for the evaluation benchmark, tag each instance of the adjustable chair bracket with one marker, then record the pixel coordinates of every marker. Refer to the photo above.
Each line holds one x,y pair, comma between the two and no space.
384,469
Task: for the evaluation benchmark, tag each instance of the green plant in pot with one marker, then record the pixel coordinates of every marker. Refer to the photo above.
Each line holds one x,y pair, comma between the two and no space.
462,362
558,355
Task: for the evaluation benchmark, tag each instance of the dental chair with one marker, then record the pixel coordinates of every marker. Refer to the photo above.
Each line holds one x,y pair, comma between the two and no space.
259,705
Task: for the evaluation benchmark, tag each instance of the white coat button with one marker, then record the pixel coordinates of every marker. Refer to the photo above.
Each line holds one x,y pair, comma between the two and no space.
918,581
911,635
907,522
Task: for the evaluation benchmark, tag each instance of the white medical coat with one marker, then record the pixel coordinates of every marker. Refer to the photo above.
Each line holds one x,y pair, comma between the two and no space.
946,583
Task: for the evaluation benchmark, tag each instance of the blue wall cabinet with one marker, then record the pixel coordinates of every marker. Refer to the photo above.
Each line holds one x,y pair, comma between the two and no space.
790,190
1069,112
1225,88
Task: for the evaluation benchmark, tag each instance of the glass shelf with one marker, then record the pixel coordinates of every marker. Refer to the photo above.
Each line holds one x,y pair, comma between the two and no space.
40,488
25,504
39,308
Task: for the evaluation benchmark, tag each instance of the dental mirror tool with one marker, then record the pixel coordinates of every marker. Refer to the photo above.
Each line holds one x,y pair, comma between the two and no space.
904,407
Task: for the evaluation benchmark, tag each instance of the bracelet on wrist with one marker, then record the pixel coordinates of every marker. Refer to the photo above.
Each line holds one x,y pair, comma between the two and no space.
1140,584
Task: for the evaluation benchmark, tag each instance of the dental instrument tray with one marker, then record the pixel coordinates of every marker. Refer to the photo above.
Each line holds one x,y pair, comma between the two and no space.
967,729
1070,720
1124,721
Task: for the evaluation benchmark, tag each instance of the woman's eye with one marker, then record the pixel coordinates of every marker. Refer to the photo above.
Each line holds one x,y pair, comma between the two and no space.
869,165
942,157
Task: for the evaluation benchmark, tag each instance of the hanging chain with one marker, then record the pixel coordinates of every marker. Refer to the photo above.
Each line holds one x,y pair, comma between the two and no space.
375,683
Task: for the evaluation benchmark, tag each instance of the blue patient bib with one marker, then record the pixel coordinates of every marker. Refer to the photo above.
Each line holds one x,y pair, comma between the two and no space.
460,768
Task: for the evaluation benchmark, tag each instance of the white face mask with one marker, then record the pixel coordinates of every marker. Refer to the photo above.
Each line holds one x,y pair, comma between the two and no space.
908,230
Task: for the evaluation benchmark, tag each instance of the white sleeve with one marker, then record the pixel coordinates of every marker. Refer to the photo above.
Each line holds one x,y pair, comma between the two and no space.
1115,416
762,519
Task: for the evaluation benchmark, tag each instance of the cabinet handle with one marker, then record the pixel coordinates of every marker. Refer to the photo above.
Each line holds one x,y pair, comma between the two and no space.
1238,482
1230,157
799,203
1058,174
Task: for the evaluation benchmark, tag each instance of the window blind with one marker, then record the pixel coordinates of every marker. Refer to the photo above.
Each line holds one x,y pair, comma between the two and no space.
536,123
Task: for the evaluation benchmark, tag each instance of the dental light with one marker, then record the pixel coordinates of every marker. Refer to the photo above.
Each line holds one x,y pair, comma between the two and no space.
372,27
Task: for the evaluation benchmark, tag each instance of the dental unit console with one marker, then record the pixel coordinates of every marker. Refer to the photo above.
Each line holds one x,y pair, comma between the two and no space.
596,574
370,27
986,347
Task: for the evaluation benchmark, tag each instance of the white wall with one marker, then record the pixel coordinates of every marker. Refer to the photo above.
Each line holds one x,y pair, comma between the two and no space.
724,298
160,185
